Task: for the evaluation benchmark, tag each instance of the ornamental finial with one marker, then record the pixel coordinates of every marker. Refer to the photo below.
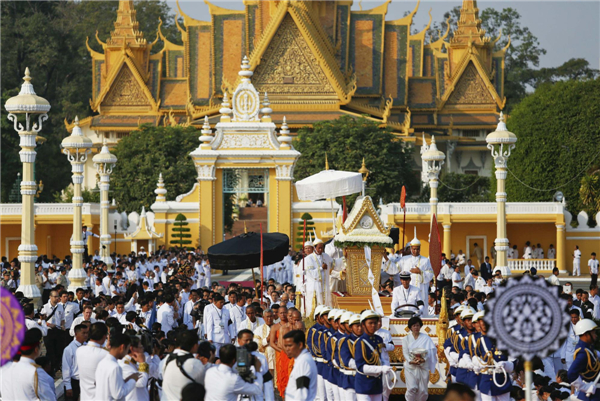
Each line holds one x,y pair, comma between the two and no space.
284,136
160,190
206,137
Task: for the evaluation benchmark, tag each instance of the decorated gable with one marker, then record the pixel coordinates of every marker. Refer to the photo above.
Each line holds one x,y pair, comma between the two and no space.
471,89
289,67
126,91
363,227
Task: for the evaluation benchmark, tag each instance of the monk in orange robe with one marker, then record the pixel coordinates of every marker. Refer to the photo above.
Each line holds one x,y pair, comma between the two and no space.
283,364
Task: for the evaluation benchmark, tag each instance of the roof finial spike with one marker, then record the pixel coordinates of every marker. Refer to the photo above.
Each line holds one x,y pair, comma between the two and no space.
76,121
27,77
326,162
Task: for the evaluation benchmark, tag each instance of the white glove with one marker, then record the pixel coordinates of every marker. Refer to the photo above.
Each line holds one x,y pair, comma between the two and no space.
477,366
451,356
507,365
335,364
577,384
587,388
386,368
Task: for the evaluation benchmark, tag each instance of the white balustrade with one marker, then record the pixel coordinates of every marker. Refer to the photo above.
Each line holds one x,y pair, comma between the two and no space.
541,265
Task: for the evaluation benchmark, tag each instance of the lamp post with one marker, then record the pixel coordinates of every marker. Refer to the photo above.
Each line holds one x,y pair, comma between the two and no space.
433,159
77,147
28,103
501,142
104,163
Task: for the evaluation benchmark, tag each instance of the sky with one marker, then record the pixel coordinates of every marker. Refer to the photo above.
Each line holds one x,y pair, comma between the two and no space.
566,29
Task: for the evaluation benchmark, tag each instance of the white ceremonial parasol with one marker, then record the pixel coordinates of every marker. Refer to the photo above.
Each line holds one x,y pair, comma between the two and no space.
329,184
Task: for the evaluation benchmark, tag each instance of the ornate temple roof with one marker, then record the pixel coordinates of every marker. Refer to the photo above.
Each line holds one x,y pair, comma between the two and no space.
317,60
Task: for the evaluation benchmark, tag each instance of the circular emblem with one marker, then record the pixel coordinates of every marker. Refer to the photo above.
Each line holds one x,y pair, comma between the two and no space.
527,318
245,104
12,323
366,222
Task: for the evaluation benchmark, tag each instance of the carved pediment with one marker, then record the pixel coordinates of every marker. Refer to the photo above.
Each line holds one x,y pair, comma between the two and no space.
471,89
288,66
126,91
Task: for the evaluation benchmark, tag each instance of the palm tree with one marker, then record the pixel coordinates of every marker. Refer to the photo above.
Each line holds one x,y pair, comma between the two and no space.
589,191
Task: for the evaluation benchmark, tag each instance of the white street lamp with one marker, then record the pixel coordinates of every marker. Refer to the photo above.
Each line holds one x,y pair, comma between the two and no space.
77,147
28,103
104,163
501,142
434,160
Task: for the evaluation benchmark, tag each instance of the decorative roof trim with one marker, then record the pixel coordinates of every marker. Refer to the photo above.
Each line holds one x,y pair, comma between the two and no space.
470,56
405,20
125,59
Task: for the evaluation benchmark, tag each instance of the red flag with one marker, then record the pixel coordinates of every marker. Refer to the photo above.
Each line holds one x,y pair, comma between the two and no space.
345,213
262,278
403,197
435,247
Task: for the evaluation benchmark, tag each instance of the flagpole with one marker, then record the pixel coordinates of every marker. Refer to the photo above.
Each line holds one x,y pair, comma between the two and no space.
262,279
303,277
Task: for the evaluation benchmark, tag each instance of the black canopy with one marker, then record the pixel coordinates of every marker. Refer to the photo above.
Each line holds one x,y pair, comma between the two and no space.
243,251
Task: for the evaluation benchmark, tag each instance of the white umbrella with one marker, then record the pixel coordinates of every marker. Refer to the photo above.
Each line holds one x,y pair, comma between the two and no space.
329,184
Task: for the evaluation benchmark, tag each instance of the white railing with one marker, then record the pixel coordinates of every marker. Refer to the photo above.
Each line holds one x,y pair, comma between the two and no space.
48,209
526,264
477,208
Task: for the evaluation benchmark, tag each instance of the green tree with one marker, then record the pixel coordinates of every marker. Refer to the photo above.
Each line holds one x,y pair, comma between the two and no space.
146,153
558,131
346,141
49,37
456,187
66,195
181,232
306,217
589,192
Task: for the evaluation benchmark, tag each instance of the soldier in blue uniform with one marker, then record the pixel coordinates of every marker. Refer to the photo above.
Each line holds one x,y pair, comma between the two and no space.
347,361
313,339
328,375
586,362
368,381
464,371
337,336
494,378
451,344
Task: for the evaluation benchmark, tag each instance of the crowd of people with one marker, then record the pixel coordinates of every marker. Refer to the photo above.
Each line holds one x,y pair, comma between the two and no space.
117,336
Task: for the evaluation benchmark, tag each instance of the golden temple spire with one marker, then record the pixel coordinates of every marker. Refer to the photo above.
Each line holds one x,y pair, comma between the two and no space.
126,30
469,25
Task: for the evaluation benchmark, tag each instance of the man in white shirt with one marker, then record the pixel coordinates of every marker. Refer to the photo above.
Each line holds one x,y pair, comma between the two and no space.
593,265
237,312
251,322
31,322
175,378
165,315
468,268
406,294
23,380
317,267
577,261
54,315
553,279
188,307
302,384
230,384
110,384
88,357
70,373
469,280
70,308
551,252
216,323
457,281
568,348
85,316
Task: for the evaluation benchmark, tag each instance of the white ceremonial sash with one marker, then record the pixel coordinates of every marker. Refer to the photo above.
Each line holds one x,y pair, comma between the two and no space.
374,294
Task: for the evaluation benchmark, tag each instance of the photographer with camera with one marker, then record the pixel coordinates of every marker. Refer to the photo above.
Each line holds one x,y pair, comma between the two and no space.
181,367
227,383
245,339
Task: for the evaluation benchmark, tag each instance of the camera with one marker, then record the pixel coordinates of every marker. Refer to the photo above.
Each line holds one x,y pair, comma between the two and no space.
245,360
